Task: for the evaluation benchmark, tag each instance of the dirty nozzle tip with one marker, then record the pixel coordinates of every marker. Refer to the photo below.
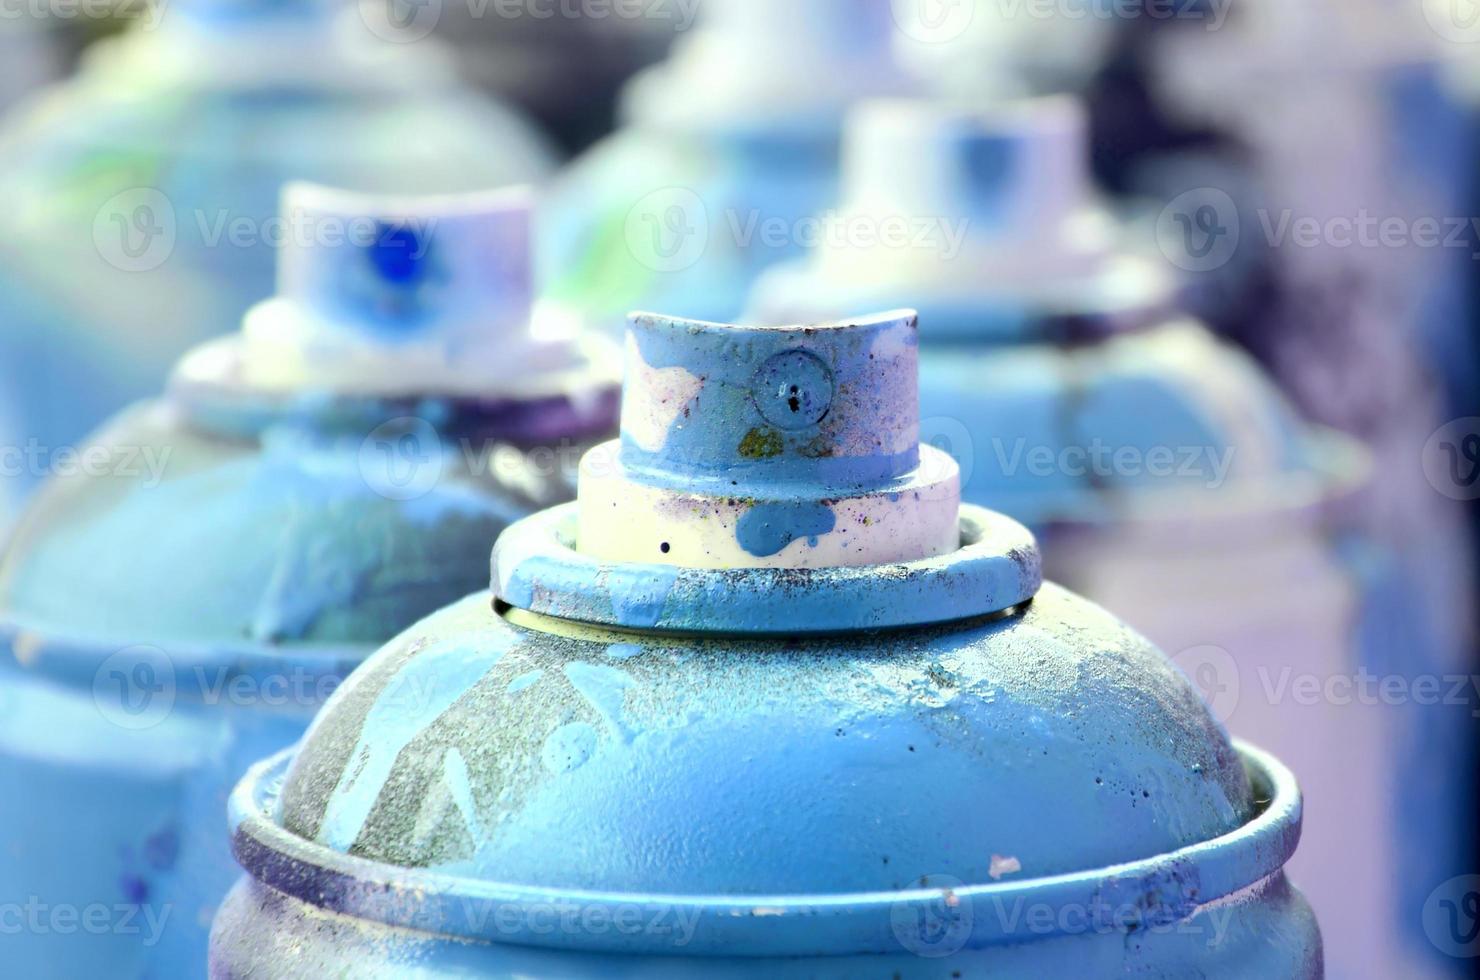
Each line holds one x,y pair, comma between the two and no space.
1028,158
737,439
398,294
404,263
836,402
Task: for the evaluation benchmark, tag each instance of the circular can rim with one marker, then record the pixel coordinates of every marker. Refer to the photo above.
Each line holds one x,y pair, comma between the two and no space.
1164,889
536,568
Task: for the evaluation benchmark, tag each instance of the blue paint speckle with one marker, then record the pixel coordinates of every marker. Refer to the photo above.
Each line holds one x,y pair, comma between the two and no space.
524,681
162,850
135,889
767,529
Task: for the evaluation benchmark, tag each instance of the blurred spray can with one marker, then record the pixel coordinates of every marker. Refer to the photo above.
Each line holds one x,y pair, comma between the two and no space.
181,600
565,71
734,636
1358,249
1169,477
729,154
143,193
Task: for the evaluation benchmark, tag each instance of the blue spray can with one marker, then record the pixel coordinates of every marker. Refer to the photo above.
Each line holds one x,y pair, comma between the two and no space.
1164,471
728,155
1351,278
768,700
153,178
223,556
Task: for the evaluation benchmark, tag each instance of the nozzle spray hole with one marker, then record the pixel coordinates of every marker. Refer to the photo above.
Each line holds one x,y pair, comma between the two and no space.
793,390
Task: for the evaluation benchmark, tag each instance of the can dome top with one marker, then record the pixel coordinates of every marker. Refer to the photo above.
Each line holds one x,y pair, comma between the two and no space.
770,67
1050,756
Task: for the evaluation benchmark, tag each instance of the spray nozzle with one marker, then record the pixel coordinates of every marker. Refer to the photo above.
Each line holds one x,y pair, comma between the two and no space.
770,447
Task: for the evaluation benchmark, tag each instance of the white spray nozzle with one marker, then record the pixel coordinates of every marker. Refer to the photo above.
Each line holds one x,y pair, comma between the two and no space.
1012,167
409,269
406,295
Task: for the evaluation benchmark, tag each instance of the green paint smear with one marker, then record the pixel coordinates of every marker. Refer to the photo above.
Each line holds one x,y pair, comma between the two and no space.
761,444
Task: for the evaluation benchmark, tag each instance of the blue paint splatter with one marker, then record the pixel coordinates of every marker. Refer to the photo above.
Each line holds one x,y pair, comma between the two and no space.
990,164
399,255
426,688
135,889
569,748
162,850
524,681
767,529
606,689
642,604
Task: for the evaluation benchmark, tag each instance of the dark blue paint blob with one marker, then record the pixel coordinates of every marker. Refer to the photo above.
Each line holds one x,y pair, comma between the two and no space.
135,889
766,529
162,850
399,255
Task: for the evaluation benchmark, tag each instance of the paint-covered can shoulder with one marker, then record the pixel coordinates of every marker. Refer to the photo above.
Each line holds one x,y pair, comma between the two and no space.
158,532
496,746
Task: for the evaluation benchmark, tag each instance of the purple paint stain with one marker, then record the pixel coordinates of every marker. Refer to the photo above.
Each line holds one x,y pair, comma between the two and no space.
135,889
162,850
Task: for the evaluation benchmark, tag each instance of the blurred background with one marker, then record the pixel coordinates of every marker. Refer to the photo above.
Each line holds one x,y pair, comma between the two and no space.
1199,284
